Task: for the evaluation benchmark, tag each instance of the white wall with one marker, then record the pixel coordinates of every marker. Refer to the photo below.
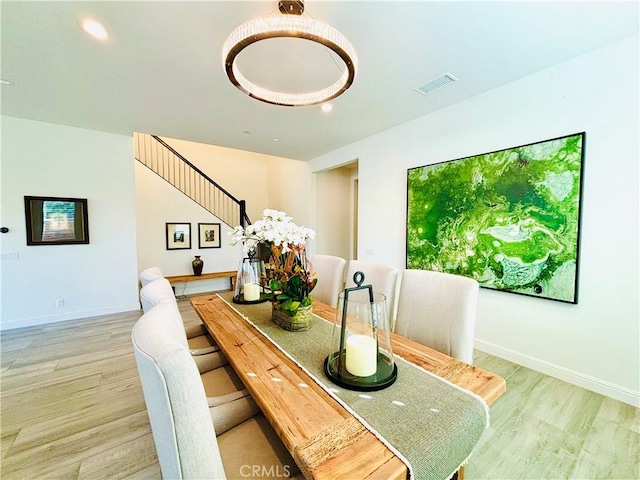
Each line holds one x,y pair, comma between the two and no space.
101,277
290,186
157,203
263,181
242,174
595,343
43,159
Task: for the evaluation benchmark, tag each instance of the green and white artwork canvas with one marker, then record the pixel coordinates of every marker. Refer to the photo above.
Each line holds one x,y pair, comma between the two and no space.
509,219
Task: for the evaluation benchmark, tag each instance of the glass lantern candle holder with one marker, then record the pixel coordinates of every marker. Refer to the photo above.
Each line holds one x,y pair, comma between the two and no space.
251,275
361,357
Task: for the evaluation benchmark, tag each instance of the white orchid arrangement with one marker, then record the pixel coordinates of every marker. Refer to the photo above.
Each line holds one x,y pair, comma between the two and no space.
290,281
274,228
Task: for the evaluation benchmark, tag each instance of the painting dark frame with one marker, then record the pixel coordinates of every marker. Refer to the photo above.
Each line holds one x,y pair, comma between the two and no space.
509,218
65,223
203,241
173,230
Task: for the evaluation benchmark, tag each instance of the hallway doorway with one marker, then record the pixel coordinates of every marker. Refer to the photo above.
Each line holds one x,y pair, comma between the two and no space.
337,211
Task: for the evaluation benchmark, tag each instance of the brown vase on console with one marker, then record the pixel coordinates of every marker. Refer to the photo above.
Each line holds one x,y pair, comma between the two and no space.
197,265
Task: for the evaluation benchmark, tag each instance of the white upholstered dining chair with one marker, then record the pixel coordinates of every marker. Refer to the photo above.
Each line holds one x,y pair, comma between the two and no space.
222,386
438,310
155,292
204,351
149,275
183,425
380,276
160,291
330,270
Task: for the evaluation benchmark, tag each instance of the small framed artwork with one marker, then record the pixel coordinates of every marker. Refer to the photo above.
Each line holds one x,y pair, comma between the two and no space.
56,221
178,236
209,235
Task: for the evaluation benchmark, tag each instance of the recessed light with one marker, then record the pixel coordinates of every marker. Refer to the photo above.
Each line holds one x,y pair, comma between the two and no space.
5,82
95,29
275,139
326,107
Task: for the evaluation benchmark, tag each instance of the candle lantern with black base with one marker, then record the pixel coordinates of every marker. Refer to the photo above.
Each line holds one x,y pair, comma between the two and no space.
251,276
361,357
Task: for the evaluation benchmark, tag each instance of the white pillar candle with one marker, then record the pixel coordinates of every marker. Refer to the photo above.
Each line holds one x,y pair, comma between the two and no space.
251,292
361,355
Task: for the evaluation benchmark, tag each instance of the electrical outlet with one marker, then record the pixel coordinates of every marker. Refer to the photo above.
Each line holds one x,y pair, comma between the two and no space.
60,302
371,251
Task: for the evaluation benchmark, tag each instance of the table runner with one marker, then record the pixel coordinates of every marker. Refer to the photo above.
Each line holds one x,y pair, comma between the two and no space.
430,423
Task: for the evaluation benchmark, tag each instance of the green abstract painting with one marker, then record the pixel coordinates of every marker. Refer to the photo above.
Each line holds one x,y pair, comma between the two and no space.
509,219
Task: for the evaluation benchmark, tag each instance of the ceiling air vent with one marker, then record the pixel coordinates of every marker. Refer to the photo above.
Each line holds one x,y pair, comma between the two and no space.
436,83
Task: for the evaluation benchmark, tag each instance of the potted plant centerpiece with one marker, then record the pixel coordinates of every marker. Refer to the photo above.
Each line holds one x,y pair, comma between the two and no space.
289,279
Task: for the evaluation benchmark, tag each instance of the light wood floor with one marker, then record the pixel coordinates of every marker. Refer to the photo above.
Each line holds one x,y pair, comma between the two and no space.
72,407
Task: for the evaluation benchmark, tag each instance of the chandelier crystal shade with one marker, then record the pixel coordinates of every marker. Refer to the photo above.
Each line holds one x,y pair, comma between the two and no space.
291,26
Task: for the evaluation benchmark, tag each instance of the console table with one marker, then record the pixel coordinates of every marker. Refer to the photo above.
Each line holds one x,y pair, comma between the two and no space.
205,276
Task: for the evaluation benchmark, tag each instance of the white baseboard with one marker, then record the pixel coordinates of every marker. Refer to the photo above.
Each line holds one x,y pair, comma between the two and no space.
32,322
594,384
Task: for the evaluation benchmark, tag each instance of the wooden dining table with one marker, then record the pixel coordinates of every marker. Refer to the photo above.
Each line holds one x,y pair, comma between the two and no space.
304,414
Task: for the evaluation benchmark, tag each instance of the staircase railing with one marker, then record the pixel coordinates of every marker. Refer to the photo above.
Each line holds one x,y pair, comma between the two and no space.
162,159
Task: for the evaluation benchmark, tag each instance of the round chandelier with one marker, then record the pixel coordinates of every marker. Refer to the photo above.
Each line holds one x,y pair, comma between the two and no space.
290,25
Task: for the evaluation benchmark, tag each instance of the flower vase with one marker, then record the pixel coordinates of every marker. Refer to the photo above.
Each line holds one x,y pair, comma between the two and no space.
197,265
298,323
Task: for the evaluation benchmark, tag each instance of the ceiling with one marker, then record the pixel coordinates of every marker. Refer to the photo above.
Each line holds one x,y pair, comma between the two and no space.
160,70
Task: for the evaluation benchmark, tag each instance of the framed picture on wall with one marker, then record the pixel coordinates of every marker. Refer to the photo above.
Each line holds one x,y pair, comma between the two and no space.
209,235
56,221
509,219
178,236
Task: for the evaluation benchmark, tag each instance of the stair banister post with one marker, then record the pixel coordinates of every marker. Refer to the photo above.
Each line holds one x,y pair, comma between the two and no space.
243,213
